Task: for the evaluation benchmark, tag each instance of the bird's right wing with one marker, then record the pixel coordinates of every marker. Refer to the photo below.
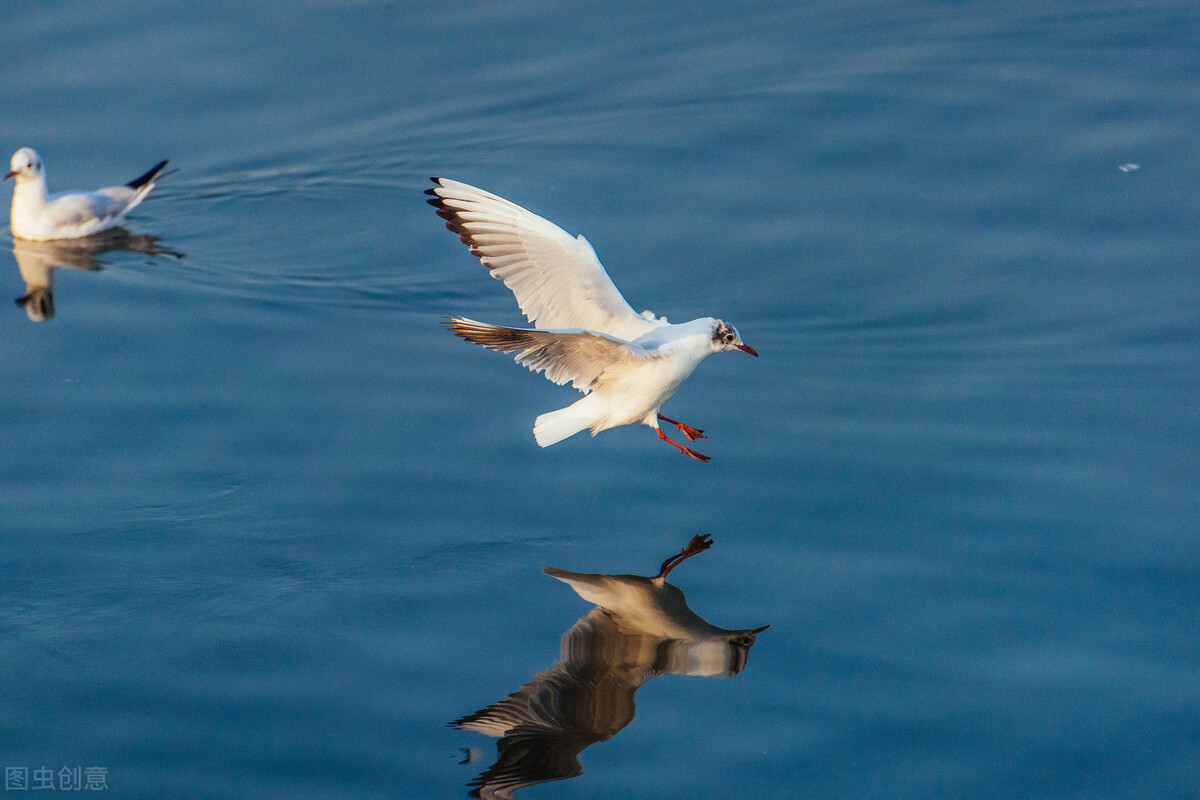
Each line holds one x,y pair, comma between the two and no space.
557,278
578,357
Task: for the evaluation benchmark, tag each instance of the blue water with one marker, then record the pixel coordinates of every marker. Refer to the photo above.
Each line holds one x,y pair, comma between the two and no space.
266,528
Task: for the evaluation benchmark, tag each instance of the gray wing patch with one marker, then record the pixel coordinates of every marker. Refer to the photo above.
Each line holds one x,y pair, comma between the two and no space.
565,356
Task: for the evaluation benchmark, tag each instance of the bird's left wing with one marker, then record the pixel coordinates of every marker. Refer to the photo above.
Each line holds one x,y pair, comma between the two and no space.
557,279
574,356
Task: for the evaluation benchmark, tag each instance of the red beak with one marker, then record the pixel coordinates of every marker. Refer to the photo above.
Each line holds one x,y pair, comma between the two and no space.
9,175
745,348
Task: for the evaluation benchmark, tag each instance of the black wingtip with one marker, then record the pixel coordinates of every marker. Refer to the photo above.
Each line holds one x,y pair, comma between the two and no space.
150,175
454,222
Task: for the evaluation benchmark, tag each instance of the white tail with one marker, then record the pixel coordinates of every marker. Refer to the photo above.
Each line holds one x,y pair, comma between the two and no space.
555,426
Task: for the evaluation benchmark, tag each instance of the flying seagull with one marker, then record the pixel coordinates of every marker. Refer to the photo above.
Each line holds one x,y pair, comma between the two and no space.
585,333
39,216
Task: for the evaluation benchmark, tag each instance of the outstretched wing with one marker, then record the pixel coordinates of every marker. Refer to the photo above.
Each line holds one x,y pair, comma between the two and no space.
578,357
557,278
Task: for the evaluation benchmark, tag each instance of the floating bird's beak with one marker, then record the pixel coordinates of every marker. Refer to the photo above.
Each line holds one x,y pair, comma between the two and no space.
10,174
745,348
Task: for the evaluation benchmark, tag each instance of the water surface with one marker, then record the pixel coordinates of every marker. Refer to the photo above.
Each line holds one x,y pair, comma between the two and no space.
268,528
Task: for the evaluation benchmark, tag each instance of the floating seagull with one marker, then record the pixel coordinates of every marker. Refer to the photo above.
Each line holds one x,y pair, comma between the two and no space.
627,364
39,216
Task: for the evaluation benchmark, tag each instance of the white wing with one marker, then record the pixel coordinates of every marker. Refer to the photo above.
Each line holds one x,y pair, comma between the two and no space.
557,278
80,208
578,357
120,194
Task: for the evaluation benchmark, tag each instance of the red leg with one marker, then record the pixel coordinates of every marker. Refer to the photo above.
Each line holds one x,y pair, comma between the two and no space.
698,544
687,450
686,430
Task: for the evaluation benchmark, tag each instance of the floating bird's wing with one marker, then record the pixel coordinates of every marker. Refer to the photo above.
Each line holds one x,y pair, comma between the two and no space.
578,357
121,195
84,208
557,278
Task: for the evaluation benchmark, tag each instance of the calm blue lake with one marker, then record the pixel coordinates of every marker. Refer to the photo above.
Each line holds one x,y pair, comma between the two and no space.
267,529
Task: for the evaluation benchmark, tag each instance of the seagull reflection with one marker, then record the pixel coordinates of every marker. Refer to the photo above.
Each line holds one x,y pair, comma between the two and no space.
38,260
642,627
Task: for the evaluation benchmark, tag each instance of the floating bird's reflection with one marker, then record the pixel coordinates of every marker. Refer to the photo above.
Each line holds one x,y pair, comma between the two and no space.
641,628
38,260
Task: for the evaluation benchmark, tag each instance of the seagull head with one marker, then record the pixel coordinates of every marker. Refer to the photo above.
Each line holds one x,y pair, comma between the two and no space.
26,165
726,337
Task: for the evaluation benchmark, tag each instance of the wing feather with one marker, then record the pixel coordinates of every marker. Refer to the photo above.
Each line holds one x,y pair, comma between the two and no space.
557,279
82,207
580,358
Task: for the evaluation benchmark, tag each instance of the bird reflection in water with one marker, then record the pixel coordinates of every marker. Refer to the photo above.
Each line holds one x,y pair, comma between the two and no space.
37,262
641,628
